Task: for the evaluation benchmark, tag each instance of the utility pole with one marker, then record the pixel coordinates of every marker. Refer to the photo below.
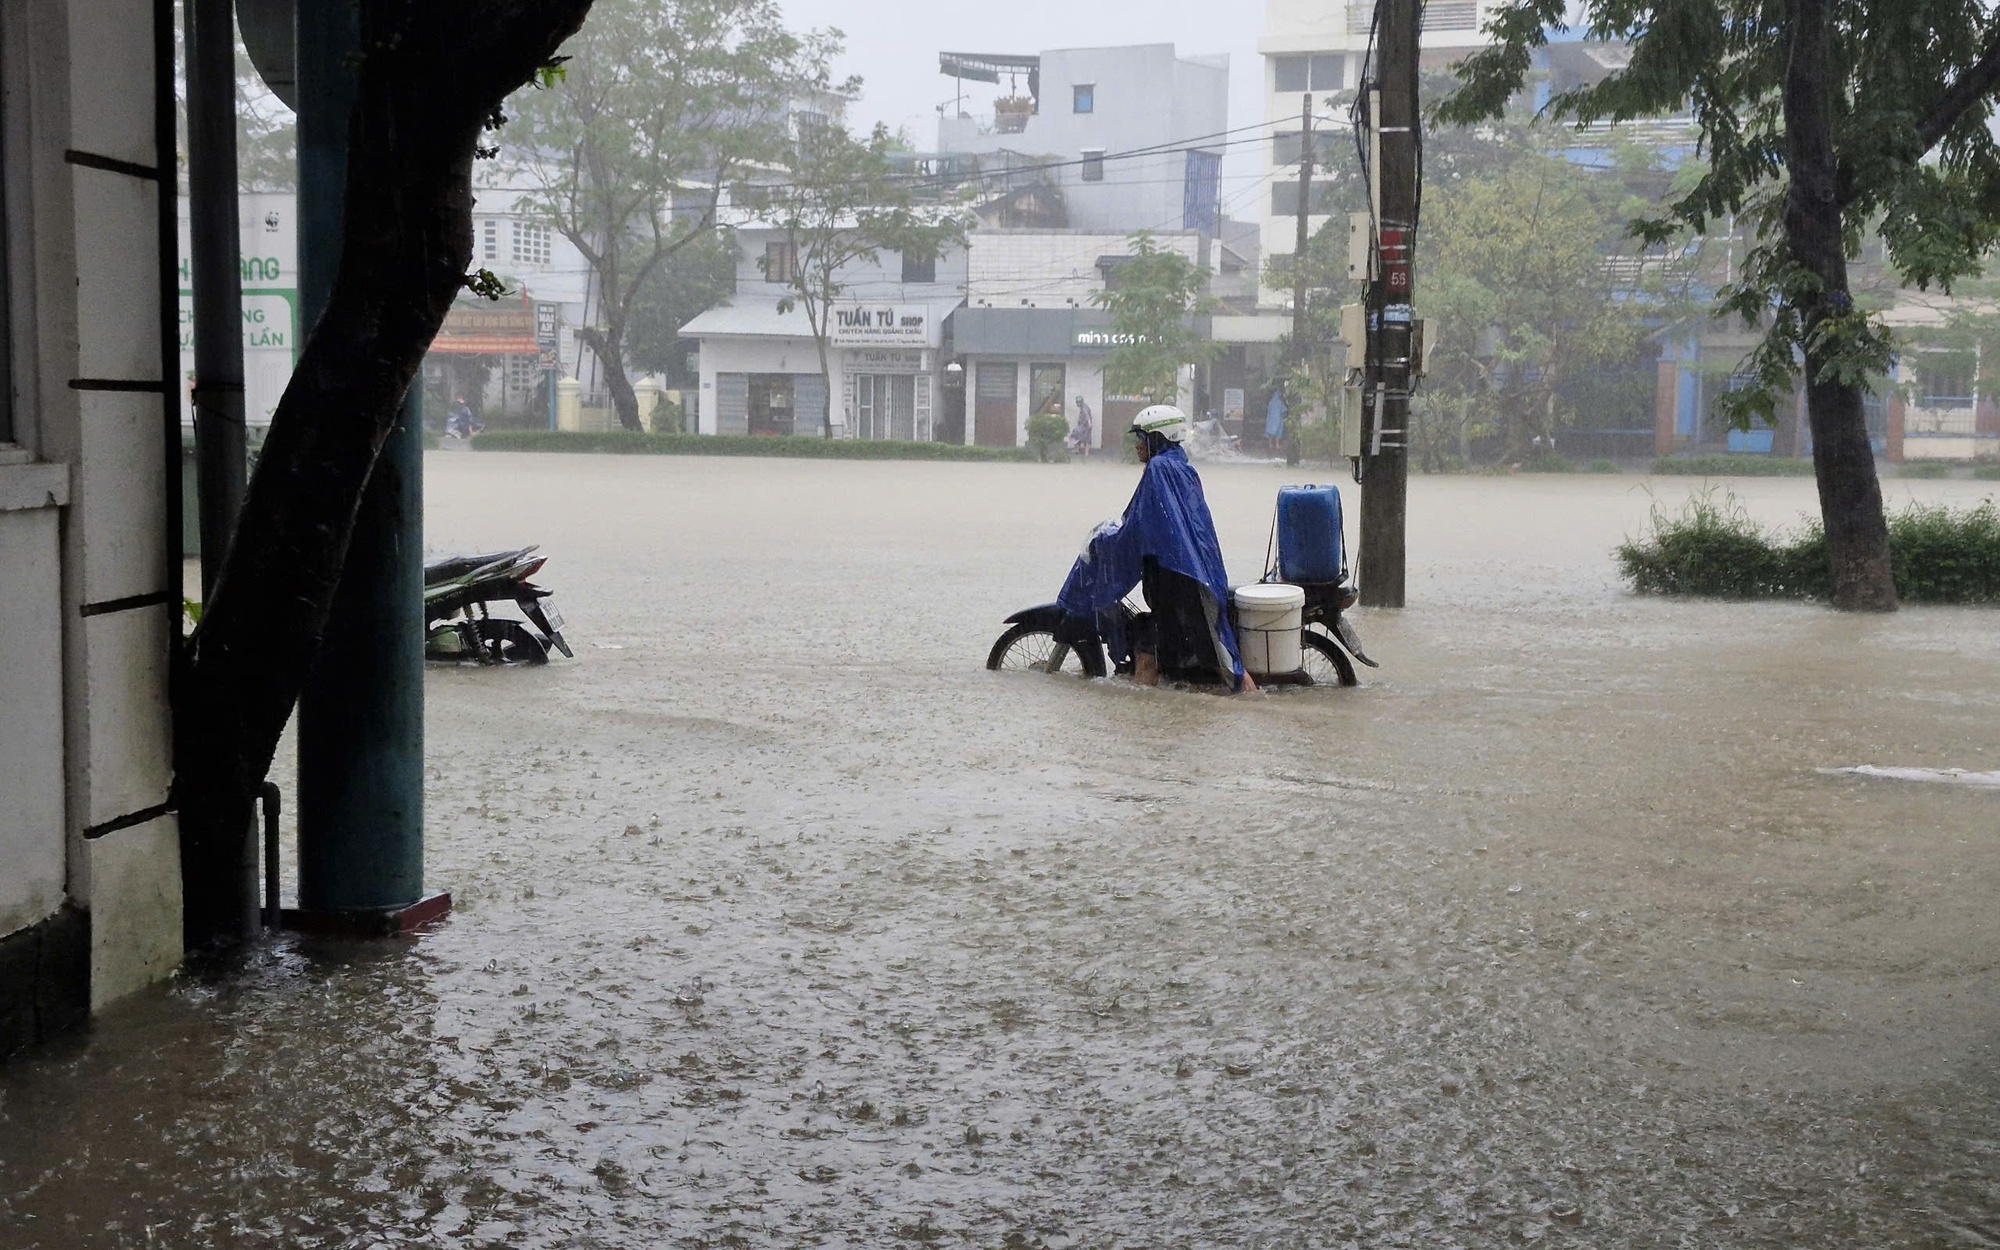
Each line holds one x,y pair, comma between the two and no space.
1298,353
215,278
361,714
1391,321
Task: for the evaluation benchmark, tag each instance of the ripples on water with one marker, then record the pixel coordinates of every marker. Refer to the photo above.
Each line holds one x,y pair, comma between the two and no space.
784,925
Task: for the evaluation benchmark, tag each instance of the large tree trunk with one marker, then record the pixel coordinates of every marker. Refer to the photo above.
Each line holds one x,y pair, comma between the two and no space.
609,348
433,74
1850,496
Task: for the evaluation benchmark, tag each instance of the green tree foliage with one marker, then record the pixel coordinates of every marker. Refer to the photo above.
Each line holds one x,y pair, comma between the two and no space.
840,205
659,105
686,283
1154,296
1818,119
1516,295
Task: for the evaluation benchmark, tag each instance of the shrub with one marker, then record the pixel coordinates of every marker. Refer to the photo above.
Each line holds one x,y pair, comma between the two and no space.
1547,462
1986,472
1927,469
1711,547
1046,432
1601,466
1946,555
1731,466
807,447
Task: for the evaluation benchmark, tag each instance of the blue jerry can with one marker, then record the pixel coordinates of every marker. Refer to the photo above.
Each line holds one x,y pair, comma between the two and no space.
1310,547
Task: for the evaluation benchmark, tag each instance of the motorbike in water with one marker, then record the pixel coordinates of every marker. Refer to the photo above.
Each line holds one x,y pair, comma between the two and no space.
1046,639
1307,576
459,593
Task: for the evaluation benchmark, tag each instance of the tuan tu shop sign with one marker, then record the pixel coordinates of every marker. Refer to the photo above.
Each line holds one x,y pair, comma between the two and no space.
882,325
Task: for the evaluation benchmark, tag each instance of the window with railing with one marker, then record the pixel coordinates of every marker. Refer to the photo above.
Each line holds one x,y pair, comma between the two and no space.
489,240
1439,15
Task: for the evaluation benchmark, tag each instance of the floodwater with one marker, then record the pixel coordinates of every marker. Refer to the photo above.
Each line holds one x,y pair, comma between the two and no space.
781,923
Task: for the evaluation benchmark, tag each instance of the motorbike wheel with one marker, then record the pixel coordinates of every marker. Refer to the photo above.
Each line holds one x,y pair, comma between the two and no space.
1029,648
1326,663
510,642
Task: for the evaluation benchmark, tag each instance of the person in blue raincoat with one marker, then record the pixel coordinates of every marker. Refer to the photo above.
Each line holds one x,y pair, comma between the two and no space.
1166,543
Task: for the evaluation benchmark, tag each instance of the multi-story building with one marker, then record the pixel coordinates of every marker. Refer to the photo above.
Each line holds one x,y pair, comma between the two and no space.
90,890
760,368
1319,48
1126,138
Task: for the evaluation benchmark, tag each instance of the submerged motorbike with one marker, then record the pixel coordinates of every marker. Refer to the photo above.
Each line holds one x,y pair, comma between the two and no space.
458,622
1309,559
1046,639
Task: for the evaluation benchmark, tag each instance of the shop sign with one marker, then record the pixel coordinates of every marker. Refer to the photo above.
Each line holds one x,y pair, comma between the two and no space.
488,330
1105,339
862,325
885,360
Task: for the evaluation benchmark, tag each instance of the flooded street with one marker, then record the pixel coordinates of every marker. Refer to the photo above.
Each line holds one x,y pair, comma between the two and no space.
780,922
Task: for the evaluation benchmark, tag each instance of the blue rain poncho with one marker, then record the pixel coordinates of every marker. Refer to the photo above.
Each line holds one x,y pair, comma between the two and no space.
1168,519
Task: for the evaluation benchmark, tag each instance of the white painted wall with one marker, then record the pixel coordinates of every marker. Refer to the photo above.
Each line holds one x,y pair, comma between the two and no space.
83,713
1144,97
1050,268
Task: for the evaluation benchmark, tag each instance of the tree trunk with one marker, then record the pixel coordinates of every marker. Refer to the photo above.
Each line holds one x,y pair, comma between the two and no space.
825,379
609,348
1850,496
433,75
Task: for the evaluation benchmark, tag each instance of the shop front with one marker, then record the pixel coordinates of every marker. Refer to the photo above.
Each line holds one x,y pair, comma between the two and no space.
760,371
888,369
1021,362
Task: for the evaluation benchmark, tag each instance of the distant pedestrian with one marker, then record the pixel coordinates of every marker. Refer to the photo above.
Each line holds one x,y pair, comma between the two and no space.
459,423
1083,432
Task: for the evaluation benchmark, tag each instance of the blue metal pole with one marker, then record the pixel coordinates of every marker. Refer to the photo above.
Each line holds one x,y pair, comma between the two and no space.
361,715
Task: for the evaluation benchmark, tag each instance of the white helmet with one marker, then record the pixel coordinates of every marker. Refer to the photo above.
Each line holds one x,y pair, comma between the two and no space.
1165,420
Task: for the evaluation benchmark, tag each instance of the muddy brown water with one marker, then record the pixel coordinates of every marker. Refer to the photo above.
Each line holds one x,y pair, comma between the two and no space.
782,923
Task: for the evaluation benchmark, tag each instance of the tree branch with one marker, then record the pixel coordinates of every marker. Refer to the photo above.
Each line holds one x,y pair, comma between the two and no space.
1960,96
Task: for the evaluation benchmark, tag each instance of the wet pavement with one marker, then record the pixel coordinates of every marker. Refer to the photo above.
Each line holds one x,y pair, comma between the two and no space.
782,923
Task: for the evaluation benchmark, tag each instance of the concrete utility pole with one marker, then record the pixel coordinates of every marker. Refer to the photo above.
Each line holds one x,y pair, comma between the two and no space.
1385,455
361,714
215,276
1298,353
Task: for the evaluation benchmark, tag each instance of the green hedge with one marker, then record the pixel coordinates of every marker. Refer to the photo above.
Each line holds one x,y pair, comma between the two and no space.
805,447
1732,466
1712,548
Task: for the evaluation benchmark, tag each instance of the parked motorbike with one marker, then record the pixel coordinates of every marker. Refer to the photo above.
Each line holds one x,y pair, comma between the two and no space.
458,622
1046,639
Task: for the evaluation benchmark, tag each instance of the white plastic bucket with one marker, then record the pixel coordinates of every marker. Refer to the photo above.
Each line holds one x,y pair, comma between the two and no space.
1270,616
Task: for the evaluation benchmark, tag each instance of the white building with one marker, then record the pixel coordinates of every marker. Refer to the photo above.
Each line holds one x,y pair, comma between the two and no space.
1131,137
1318,48
90,893
1031,339
760,369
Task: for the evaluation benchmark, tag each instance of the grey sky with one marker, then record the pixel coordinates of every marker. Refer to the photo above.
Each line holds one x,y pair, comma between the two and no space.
894,47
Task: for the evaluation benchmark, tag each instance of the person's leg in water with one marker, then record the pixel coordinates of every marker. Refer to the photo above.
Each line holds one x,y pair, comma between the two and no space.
1180,641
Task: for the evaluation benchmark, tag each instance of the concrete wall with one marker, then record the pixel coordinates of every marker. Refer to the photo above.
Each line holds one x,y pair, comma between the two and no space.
88,616
1050,268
